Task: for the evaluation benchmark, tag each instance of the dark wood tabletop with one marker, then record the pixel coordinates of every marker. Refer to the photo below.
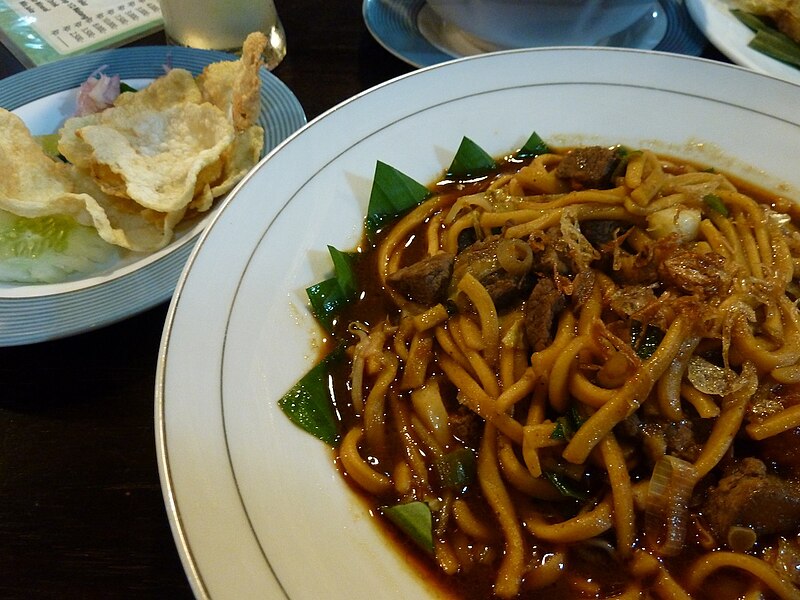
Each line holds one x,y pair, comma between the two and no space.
81,507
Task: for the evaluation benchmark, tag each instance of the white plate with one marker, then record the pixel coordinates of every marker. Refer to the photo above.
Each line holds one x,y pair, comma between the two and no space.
44,97
256,505
411,31
731,37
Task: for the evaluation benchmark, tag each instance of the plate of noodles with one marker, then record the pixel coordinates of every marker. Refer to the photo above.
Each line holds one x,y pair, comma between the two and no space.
88,293
518,324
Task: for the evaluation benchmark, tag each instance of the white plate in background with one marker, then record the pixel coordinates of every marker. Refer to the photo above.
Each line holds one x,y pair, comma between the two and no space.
256,505
731,36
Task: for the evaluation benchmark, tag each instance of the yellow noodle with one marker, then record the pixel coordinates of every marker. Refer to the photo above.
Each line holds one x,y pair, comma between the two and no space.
621,493
558,391
669,385
518,475
476,360
374,412
432,317
512,565
397,237
628,398
785,420
716,240
445,340
516,392
470,524
663,584
414,457
543,360
745,235
724,430
357,468
583,527
703,403
476,398
419,357
712,561
588,393
546,571
483,304
759,351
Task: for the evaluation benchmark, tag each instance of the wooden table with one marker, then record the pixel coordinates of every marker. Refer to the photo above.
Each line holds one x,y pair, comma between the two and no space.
81,509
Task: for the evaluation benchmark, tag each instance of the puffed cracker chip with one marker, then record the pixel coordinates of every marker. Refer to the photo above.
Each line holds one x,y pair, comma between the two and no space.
34,185
151,156
235,86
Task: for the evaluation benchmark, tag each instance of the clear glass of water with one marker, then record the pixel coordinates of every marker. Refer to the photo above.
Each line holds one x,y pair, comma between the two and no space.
224,25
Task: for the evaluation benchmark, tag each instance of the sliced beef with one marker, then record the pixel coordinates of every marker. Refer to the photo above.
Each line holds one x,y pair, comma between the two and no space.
658,436
590,167
541,313
480,259
466,426
551,254
425,281
751,497
601,232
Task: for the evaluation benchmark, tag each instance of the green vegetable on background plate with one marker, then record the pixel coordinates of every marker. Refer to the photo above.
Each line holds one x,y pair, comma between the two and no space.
768,40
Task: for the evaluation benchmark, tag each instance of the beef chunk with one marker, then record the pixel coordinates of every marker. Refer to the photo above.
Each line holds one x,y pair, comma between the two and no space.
480,259
751,497
541,313
590,167
425,281
658,436
466,426
601,232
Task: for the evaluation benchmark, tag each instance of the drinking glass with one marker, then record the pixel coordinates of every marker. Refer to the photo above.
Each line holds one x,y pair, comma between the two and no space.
223,25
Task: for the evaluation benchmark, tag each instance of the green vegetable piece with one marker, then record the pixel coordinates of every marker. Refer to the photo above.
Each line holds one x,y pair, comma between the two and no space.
456,469
567,425
415,520
470,160
645,340
124,87
714,202
753,22
533,147
768,40
50,249
309,404
329,296
49,143
393,193
565,486
776,45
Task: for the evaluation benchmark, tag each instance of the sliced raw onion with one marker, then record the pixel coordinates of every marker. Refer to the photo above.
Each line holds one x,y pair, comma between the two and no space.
667,510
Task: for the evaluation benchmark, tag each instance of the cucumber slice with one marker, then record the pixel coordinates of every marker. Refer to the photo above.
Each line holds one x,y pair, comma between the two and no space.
50,249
